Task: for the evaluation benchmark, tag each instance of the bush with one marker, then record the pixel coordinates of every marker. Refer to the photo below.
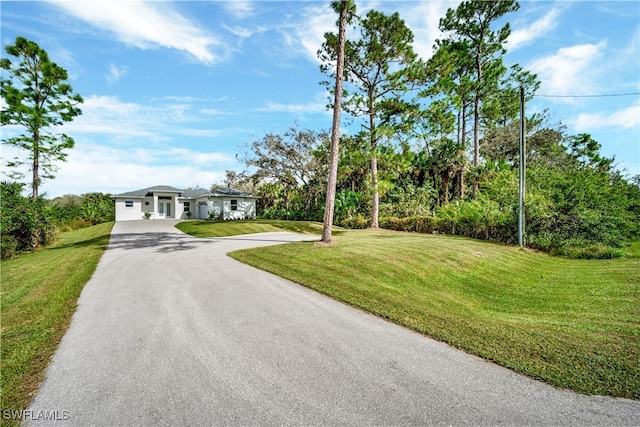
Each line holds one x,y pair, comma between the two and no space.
72,212
416,223
589,252
478,219
355,222
24,222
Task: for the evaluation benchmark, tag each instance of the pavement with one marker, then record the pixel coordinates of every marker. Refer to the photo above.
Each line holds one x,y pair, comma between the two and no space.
171,331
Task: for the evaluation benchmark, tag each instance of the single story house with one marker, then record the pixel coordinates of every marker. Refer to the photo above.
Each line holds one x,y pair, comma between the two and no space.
163,201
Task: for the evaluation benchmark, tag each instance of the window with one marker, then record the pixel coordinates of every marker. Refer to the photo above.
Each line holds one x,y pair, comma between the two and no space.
128,203
234,205
187,207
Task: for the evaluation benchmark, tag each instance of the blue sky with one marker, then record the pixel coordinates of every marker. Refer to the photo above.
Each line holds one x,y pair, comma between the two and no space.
174,90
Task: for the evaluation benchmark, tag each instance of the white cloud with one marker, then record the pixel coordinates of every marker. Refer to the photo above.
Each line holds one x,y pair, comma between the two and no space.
308,34
423,19
523,36
146,25
238,8
294,108
96,168
628,118
241,32
570,71
317,105
116,73
107,115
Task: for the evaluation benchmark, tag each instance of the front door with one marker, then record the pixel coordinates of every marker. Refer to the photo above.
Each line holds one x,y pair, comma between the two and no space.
164,209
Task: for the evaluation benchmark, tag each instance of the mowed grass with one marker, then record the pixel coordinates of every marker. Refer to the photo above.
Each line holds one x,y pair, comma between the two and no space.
202,228
571,323
39,294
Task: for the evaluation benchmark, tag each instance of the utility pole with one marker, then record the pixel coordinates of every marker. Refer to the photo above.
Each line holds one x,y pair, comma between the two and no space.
521,187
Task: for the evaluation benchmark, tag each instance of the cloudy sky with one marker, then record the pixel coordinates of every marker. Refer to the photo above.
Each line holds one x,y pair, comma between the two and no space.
174,90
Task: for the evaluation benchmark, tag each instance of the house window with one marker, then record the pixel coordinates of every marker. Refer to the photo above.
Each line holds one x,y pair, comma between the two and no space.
128,203
187,206
234,205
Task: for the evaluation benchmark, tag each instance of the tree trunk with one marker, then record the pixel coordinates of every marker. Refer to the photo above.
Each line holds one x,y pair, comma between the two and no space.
445,186
335,130
376,196
375,203
463,142
35,180
476,117
476,140
462,171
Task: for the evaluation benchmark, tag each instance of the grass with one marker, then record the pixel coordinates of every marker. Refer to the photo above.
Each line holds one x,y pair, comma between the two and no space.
572,323
39,294
201,228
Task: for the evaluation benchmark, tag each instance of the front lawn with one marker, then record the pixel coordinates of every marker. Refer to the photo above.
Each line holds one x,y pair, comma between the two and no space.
203,228
39,294
572,323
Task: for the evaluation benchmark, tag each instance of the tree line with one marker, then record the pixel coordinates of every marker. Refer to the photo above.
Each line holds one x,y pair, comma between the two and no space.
437,149
30,223
438,145
38,99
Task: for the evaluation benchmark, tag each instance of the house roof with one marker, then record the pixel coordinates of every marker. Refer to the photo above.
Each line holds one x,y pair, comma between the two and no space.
230,192
219,192
187,194
195,192
144,192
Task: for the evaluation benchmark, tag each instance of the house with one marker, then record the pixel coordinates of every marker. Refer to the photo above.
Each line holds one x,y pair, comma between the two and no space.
163,201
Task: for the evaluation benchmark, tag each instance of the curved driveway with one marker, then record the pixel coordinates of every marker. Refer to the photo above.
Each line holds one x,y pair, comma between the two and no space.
171,331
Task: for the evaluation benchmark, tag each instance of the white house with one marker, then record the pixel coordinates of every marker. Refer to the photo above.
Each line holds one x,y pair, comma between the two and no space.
163,201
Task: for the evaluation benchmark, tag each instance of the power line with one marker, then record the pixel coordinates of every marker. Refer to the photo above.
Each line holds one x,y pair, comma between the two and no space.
588,96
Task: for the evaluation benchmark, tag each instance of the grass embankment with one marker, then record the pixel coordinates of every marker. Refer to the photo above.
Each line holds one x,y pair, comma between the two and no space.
572,323
39,294
233,228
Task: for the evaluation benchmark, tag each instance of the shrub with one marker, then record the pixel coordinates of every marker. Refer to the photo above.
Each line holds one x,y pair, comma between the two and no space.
24,223
355,222
416,223
589,252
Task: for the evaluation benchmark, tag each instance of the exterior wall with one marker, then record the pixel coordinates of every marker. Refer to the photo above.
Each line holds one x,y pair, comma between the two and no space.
220,208
216,208
128,214
148,206
246,208
193,208
250,208
201,208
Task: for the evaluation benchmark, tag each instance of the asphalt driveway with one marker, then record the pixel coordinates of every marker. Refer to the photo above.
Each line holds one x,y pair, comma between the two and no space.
171,331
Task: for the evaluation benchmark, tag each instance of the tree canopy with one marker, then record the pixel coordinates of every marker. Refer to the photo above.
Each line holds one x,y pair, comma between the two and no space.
38,99
429,130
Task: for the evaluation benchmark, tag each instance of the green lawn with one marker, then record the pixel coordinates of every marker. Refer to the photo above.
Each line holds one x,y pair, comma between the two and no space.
203,228
572,323
39,294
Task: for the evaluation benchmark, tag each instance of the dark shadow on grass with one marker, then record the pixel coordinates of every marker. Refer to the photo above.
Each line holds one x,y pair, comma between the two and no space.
102,241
